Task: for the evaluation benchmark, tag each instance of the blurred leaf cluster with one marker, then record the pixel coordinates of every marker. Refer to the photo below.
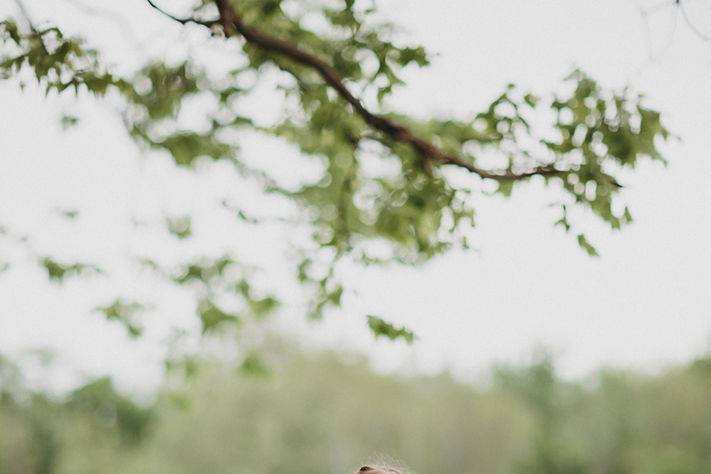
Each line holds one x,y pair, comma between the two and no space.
376,199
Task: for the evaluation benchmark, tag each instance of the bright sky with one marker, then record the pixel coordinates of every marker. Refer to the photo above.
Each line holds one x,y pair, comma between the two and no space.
643,304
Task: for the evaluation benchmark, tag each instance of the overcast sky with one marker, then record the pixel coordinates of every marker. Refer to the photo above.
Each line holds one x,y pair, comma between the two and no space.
643,304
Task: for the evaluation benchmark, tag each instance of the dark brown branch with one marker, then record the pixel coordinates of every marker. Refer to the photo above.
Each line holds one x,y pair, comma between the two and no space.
183,21
232,24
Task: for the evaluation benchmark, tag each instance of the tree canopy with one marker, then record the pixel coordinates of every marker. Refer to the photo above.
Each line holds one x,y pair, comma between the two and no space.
390,188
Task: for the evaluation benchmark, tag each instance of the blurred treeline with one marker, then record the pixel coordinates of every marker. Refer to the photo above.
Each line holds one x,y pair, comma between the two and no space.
315,413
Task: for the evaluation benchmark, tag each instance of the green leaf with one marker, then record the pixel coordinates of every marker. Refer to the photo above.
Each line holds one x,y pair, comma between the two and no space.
380,327
205,271
187,146
213,318
58,272
68,121
627,216
587,246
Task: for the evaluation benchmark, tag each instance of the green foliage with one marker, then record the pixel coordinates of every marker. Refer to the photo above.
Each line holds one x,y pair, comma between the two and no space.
58,63
587,246
222,278
10,378
257,306
537,386
162,88
213,318
317,414
380,327
124,312
253,365
375,189
186,147
207,272
109,409
57,272
68,121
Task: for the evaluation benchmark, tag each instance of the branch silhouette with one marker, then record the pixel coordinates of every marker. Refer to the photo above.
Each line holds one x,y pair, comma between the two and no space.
233,25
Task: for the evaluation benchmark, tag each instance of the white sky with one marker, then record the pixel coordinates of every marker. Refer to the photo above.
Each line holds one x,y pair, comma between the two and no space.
645,303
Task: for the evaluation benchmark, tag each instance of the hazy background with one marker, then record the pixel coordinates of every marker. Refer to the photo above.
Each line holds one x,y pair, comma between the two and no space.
643,304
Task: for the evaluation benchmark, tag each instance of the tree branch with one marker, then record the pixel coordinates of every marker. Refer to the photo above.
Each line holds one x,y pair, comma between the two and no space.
183,21
233,24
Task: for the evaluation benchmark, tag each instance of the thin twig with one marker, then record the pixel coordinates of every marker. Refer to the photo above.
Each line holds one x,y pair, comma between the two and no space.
684,14
183,21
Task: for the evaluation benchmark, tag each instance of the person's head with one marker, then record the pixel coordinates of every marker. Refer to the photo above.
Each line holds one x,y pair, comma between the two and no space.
378,470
